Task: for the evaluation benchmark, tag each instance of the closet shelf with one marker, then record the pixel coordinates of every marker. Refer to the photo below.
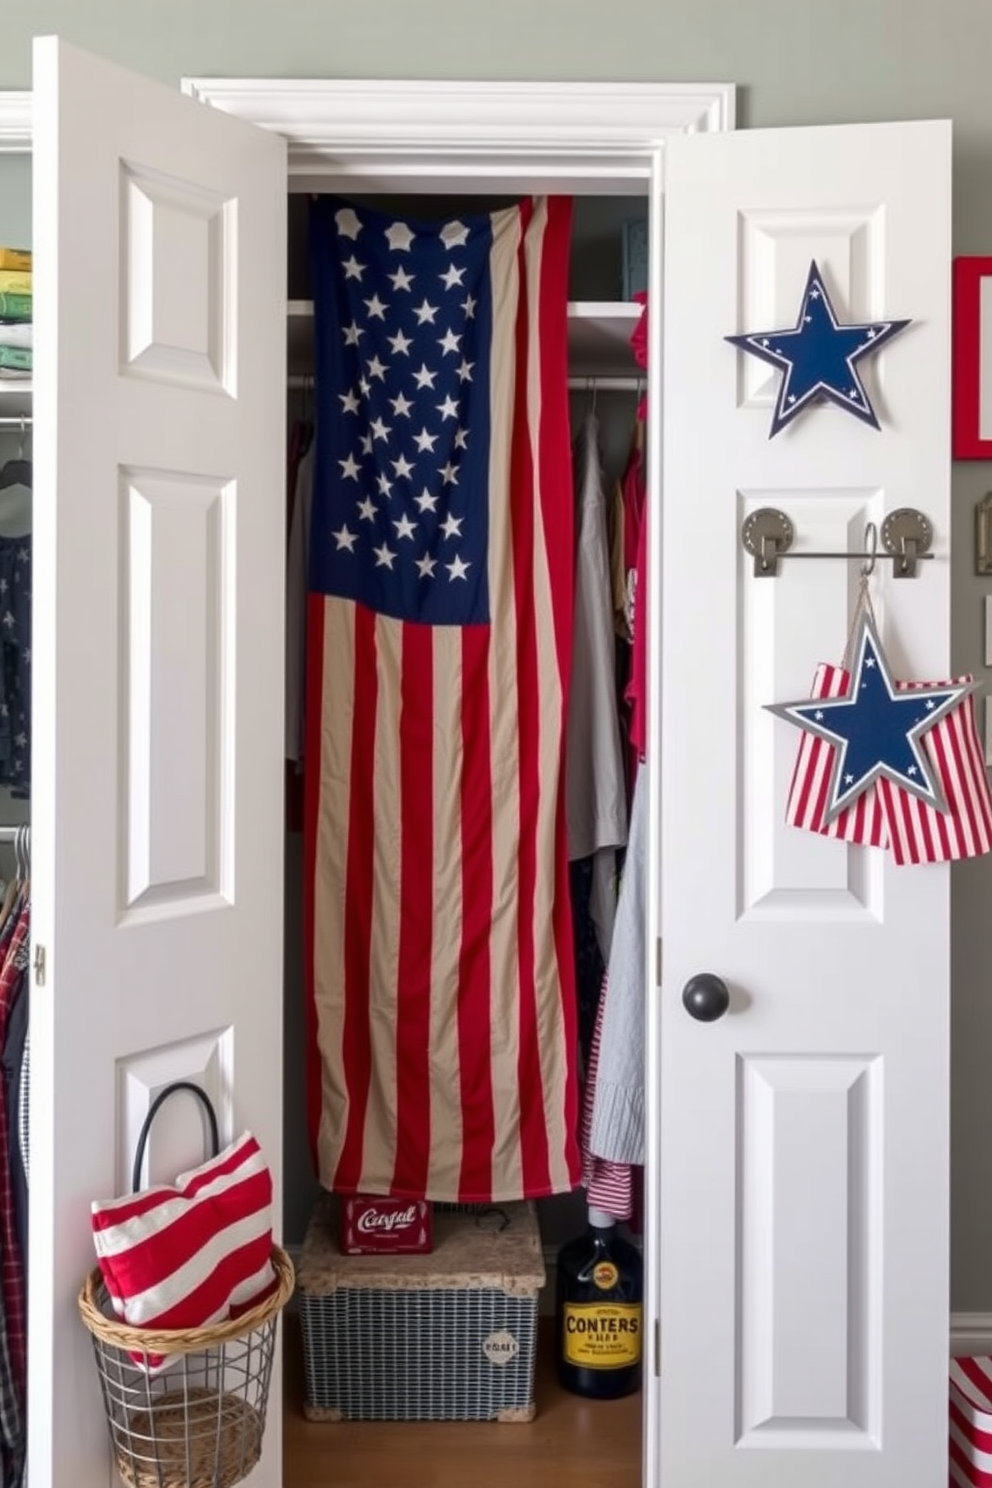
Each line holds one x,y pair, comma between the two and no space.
15,399
599,334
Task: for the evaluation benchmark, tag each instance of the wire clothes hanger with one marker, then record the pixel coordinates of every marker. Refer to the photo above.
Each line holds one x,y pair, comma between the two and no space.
17,472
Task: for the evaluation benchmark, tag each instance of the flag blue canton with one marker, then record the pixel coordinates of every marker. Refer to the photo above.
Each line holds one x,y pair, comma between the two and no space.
403,314
819,356
876,728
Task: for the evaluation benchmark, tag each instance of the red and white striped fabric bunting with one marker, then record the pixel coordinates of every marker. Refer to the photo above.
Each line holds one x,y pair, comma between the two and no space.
885,815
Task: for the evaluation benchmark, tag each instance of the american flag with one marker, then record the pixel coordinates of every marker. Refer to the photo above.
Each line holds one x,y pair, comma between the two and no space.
884,815
442,999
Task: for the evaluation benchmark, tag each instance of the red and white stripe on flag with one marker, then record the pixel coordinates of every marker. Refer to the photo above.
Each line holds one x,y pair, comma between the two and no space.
970,1426
441,1002
885,815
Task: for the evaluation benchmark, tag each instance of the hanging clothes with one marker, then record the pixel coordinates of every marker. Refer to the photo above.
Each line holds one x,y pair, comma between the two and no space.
609,1185
595,778
15,665
13,1065
16,938
617,1130
297,562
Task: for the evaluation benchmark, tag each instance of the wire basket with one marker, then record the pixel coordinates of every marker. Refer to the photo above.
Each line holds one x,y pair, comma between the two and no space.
186,1408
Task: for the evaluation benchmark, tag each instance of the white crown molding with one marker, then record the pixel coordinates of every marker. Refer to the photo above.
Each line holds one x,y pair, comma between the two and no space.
15,123
460,131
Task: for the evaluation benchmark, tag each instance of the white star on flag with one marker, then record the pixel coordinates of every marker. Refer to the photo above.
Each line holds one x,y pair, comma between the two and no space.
401,279
376,309
426,501
384,557
449,342
457,569
347,222
353,269
426,566
424,378
402,467
453,278
350,402
401,406
401,344
377,369
349,468
449,408
425,311
425,441
400,237
452,526
449,474
366,509
404,527
454,235
345,539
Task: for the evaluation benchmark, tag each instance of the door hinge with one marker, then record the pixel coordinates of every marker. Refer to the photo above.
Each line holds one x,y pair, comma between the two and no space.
39,965
657,961
657,1347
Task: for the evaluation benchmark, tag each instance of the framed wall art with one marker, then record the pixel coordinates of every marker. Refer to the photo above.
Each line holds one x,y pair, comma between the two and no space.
971,370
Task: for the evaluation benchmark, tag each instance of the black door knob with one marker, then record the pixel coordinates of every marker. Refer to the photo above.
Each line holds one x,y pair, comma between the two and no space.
705,997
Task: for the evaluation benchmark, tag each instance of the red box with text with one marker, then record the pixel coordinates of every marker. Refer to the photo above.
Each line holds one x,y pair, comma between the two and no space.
373,1225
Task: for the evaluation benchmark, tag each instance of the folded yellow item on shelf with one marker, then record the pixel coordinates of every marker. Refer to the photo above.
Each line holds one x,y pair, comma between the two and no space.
15,281
15,258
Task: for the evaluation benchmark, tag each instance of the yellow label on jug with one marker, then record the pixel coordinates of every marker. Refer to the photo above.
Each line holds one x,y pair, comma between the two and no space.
602,1335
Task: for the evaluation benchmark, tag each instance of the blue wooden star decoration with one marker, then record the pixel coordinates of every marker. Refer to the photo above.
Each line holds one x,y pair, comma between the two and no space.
819,357
876,727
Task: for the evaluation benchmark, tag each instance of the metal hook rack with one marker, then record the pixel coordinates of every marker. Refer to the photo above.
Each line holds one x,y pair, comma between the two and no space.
907,537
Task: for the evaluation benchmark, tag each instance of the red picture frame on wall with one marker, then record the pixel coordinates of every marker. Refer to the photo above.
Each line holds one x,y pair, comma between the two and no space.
971,365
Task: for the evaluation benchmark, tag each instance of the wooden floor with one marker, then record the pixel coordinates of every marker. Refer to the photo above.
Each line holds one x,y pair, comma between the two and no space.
571,1443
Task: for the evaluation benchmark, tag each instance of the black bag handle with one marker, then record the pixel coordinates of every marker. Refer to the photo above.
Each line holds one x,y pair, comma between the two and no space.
163,1095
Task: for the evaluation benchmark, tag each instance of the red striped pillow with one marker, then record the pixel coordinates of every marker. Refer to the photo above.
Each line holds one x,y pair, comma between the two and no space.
193,1253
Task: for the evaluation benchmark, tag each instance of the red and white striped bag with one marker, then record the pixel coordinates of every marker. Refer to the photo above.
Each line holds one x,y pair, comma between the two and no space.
970,1445
885,815
194,1252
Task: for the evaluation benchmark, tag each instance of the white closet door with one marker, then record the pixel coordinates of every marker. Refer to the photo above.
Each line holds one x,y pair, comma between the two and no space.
159,231
804,1135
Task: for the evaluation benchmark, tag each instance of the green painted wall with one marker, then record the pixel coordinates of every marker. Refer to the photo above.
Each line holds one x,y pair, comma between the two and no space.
795,63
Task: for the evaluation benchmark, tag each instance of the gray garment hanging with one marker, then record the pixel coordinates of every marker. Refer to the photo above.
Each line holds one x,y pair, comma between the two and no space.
618,1108
595,783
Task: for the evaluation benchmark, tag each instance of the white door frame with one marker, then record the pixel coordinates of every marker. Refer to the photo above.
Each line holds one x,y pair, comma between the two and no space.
588,138
434,136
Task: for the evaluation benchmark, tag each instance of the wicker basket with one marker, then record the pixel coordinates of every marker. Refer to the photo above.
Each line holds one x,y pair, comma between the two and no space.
197,1423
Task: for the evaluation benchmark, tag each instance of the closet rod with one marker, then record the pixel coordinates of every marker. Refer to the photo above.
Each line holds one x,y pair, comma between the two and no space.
20,421
608,384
